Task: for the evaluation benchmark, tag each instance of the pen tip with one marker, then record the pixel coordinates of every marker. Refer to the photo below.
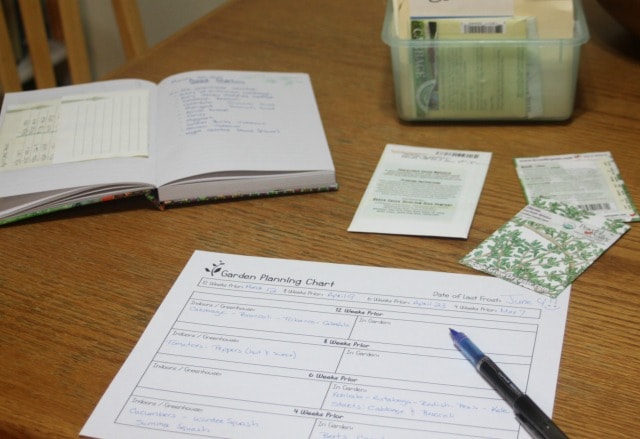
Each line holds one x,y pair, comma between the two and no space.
453,332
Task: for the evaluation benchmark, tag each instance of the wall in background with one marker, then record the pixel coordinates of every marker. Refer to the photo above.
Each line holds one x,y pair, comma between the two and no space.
161,18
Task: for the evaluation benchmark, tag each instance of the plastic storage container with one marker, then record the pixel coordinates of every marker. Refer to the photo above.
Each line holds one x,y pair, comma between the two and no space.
487,78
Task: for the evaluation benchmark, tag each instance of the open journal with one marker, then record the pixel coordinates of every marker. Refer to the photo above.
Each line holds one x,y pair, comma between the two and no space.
200,135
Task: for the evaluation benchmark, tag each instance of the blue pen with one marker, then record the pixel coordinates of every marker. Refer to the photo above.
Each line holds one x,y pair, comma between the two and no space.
530,416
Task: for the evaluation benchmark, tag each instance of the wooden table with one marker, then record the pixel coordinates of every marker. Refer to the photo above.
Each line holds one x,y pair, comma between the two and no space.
77,288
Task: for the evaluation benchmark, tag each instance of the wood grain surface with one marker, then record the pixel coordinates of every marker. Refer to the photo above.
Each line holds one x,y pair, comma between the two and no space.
77,288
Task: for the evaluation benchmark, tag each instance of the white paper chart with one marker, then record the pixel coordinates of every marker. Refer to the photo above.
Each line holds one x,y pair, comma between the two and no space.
269,348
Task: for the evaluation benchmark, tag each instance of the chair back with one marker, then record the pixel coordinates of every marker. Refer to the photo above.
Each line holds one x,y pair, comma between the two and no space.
129,25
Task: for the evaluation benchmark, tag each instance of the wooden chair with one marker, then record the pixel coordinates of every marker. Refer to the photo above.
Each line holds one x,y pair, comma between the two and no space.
129,25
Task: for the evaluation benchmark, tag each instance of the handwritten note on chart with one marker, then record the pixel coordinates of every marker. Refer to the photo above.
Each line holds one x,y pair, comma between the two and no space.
268,348
76,128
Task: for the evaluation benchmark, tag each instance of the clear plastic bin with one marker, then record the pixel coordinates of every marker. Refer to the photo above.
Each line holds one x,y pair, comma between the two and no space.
485,79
